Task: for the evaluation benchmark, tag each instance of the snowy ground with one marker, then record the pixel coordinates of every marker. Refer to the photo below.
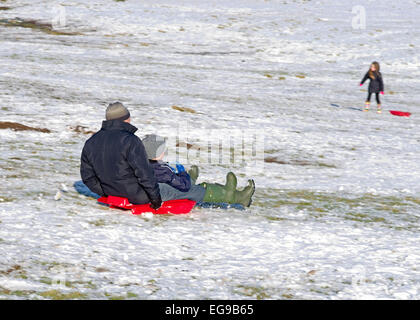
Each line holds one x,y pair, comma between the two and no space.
335,216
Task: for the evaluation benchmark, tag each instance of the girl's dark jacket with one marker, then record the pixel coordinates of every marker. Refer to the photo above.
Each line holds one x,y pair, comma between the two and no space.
165,174
376,85
114,162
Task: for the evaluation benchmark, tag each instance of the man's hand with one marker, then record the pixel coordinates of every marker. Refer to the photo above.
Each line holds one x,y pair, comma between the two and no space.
155,204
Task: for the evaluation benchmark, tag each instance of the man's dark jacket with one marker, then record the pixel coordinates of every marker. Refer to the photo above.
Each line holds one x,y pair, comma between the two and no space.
114,162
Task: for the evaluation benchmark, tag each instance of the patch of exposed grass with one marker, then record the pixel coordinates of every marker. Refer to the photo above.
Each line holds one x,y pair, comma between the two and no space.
184,109
361,217
367,208
259,293
128,295
16,271
6,199
272,218
131,295
58,295
82,129
35,25
51,282
15,293
274,159
98,223
411,199
20,127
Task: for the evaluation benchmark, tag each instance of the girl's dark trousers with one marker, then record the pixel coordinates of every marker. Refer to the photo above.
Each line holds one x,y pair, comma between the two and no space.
378,101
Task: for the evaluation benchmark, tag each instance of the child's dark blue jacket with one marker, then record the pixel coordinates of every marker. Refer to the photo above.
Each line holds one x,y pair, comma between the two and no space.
165,174
376,84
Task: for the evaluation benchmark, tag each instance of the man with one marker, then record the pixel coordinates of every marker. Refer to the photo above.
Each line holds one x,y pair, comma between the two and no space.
114,161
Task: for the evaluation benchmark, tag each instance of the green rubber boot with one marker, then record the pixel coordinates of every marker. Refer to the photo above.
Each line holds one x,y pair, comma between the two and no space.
193,172
216,192
244,197
231,183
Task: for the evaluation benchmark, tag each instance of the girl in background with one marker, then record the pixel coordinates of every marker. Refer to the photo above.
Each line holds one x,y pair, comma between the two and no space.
376,85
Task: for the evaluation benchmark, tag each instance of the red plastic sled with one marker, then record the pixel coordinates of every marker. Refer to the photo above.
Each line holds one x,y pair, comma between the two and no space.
182,206
400,113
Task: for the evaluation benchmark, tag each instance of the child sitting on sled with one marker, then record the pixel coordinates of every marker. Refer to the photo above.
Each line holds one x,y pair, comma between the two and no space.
179,184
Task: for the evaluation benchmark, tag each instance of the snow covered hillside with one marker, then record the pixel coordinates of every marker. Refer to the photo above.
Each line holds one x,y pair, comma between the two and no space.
336,213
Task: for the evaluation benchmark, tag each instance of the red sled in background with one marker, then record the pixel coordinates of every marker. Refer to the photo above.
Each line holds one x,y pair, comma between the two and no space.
400,113
182,206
